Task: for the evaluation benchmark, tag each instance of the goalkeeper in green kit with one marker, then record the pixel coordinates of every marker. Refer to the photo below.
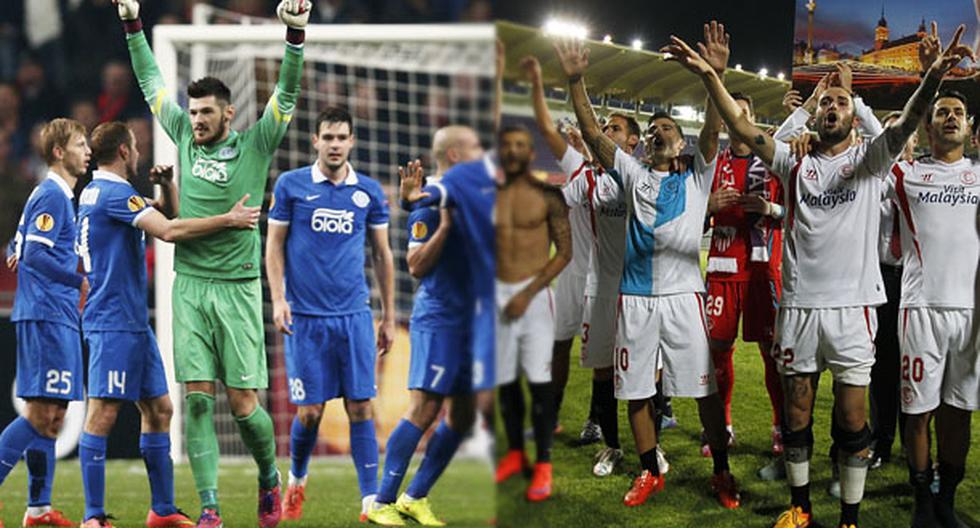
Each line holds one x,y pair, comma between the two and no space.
217,294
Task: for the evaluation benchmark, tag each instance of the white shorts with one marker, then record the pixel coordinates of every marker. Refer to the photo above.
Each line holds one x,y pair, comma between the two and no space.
668,330
938,359
808,340
569,305
526,341
598,332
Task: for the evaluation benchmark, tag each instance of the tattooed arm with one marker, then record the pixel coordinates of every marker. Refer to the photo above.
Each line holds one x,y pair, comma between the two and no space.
574,58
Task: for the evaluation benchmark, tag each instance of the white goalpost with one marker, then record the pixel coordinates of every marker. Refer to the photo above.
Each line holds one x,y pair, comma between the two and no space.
400,83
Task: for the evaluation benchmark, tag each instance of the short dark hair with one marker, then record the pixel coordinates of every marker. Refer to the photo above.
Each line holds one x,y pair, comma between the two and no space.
660,114
945,94
631,124
513,128
206,86
334,114
741,96
106,140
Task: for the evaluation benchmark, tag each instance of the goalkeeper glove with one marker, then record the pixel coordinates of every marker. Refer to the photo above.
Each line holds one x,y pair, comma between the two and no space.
128,9
294,13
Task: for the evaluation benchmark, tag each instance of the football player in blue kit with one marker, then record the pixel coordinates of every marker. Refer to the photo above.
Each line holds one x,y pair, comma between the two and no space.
442,359
318,223
46,316
124,361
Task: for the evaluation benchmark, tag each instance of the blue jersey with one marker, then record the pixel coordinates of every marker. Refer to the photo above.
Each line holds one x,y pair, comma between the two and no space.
47,288
113,253
442,299
325,245
470,188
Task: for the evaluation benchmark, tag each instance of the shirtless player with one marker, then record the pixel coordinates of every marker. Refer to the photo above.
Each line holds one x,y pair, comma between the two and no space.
530,217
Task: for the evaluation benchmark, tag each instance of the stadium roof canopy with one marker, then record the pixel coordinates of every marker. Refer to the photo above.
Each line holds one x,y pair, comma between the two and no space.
627,74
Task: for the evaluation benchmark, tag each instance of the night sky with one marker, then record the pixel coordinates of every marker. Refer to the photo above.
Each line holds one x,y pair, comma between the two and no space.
850,24
761,30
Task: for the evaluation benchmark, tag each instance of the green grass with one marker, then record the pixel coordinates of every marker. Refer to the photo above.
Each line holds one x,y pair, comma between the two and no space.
462,497
583,500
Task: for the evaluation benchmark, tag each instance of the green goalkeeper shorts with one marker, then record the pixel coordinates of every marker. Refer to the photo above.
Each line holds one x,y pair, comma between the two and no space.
218,332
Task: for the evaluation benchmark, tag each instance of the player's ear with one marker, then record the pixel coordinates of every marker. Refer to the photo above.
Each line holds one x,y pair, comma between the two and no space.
633,140
230,112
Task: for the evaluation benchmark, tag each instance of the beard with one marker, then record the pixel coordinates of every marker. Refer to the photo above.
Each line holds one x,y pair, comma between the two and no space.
835,135
514,166
219,132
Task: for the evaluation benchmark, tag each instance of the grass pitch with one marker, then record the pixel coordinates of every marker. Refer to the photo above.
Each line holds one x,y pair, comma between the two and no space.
462,497
584,500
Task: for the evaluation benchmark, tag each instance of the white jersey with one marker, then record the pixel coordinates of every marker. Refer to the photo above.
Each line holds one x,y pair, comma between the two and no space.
600,195
575,167
938,214
830,257
664,224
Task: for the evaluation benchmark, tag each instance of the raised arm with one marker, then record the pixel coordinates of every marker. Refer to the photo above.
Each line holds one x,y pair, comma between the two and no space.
171,230
715,51
940,63
272,125
171,116
556,143
738,123
560,233
574,57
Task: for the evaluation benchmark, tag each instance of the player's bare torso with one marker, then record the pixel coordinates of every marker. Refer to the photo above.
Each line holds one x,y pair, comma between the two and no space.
523,240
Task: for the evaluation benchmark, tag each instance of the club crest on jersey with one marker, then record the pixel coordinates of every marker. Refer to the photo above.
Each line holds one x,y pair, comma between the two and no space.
847,171
360,199
44,222
332,221
968,178
135,203
227,153
419,230
210,170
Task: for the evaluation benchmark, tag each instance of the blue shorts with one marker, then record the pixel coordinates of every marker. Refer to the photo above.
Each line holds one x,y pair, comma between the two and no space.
125,365
331,357
49,361
484,356
442,362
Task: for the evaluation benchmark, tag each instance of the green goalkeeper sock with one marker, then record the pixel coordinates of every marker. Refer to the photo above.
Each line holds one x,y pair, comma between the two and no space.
257,433
202,446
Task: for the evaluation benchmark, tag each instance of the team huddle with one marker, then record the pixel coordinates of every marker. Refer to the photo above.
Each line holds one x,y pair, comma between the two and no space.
84,276
794,252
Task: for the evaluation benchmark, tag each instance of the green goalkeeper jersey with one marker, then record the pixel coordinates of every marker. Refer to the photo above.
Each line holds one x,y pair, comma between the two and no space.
214,177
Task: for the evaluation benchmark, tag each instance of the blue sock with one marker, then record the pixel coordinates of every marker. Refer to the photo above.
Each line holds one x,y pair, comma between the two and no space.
40,471
155,448
15,439
401,445
91,454
301,444
364,450
442,446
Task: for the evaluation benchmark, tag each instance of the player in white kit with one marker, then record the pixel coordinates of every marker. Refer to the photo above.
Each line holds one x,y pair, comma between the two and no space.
661,313
599,194
826,318
937,197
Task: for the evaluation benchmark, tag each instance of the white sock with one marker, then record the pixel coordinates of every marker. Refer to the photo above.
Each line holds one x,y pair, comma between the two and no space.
37,511
797,473
294,481
408,498
852,477
367,503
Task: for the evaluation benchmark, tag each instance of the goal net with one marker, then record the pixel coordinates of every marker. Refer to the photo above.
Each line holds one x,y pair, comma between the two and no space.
400,83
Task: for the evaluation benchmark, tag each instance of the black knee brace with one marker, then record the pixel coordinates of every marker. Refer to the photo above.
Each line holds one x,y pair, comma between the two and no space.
798,445
852,442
